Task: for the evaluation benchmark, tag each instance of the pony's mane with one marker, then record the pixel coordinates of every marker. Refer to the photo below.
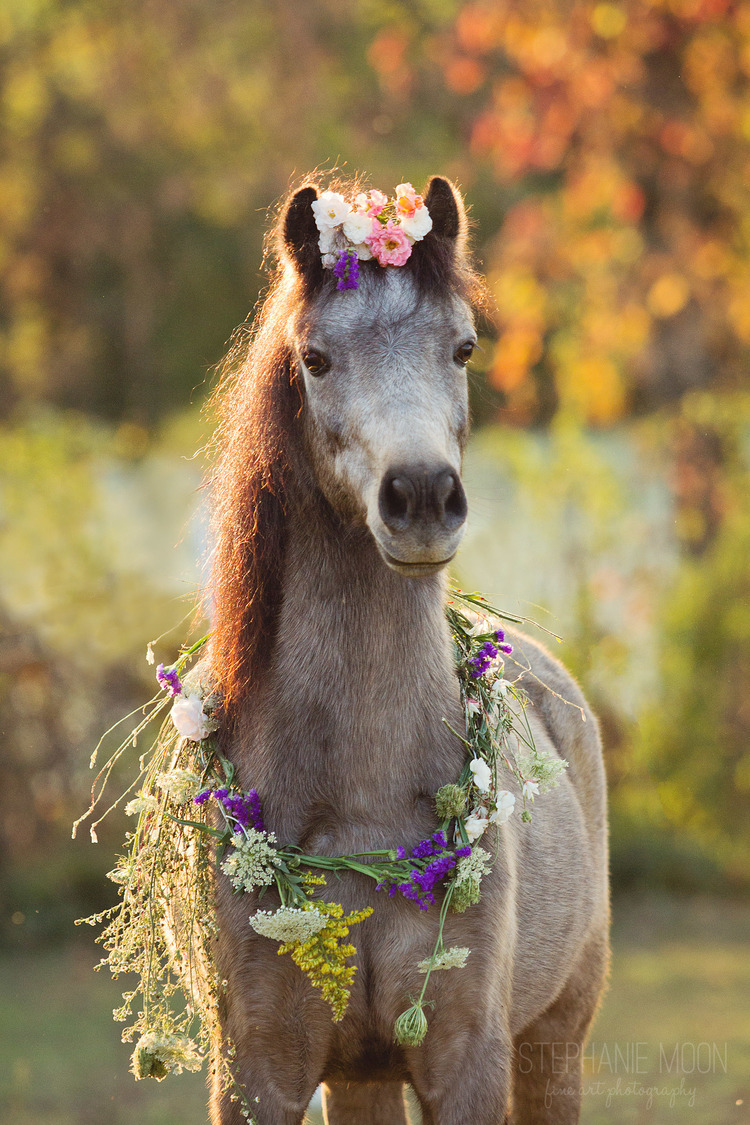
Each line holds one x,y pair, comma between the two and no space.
257,402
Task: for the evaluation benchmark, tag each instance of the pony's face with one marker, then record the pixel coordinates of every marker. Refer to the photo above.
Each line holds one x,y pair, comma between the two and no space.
386,412
384,373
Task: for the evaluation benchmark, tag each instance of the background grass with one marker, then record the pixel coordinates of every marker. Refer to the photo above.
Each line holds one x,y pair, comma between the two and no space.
680,978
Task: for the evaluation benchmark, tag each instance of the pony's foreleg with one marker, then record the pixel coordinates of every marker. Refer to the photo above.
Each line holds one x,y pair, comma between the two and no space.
549,1053
357,1103
268,1102
469,1080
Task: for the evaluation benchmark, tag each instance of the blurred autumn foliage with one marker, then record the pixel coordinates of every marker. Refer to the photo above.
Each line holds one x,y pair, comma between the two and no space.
604,150
603,145
622,273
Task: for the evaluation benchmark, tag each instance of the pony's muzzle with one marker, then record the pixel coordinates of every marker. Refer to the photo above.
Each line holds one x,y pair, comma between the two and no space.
423,512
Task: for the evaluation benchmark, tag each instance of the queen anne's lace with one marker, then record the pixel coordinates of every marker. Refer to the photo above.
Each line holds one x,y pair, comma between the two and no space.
180,785
453,958
288,923
156,1056
252,862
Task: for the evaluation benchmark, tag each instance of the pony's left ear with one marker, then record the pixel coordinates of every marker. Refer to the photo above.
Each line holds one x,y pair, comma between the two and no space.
299,233
443,201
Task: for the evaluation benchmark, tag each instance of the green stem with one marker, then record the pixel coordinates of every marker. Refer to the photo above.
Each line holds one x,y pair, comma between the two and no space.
458,736
439,942
185,656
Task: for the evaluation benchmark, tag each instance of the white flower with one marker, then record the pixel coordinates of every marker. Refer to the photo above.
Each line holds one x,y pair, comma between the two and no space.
417,225
143,802
330,210
506,803
156,1056
472,707
180,785
363,251
453,958
357,226
530,788
476,824
190,719
150,658
482,774
252,861
288,923
499,689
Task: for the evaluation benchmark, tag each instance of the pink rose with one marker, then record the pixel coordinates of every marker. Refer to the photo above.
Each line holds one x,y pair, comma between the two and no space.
389,244
372,203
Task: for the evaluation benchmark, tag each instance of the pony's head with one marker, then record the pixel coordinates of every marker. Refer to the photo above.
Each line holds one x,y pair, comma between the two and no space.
382,369
359,394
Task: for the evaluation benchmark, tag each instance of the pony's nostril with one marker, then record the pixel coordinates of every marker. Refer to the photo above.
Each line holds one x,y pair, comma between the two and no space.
397,499
451,500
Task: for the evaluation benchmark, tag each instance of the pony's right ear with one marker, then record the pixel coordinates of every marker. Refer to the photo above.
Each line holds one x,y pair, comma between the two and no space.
443,201
299,233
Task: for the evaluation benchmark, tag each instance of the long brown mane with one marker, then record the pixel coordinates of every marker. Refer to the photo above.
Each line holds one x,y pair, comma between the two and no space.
258,403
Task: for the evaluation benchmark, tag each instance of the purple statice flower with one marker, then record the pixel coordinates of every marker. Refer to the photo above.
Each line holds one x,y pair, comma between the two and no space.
169,680
433,873
462,851
500,637
347,270
434,861
480,663
244,807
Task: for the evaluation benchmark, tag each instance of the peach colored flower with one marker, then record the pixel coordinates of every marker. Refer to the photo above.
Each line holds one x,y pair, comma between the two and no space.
389,244
407,200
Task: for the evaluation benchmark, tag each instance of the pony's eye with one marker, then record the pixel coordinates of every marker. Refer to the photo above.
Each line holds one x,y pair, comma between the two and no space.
463,354
315,362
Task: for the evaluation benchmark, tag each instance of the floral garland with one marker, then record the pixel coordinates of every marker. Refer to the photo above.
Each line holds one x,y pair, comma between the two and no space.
193,816
371,227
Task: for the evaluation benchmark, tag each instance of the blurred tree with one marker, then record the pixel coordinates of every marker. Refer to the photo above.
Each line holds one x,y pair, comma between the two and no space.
619,133
141,147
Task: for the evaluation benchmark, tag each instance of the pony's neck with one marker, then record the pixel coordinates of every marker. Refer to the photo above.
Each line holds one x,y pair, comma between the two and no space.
352,737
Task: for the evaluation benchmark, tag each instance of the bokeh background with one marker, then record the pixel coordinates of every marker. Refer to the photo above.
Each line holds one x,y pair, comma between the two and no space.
604,149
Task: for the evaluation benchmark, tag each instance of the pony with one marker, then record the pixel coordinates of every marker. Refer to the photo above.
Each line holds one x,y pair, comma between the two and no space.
338,504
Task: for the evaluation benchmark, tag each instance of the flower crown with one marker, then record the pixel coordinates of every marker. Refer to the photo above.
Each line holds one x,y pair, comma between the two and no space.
374,226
